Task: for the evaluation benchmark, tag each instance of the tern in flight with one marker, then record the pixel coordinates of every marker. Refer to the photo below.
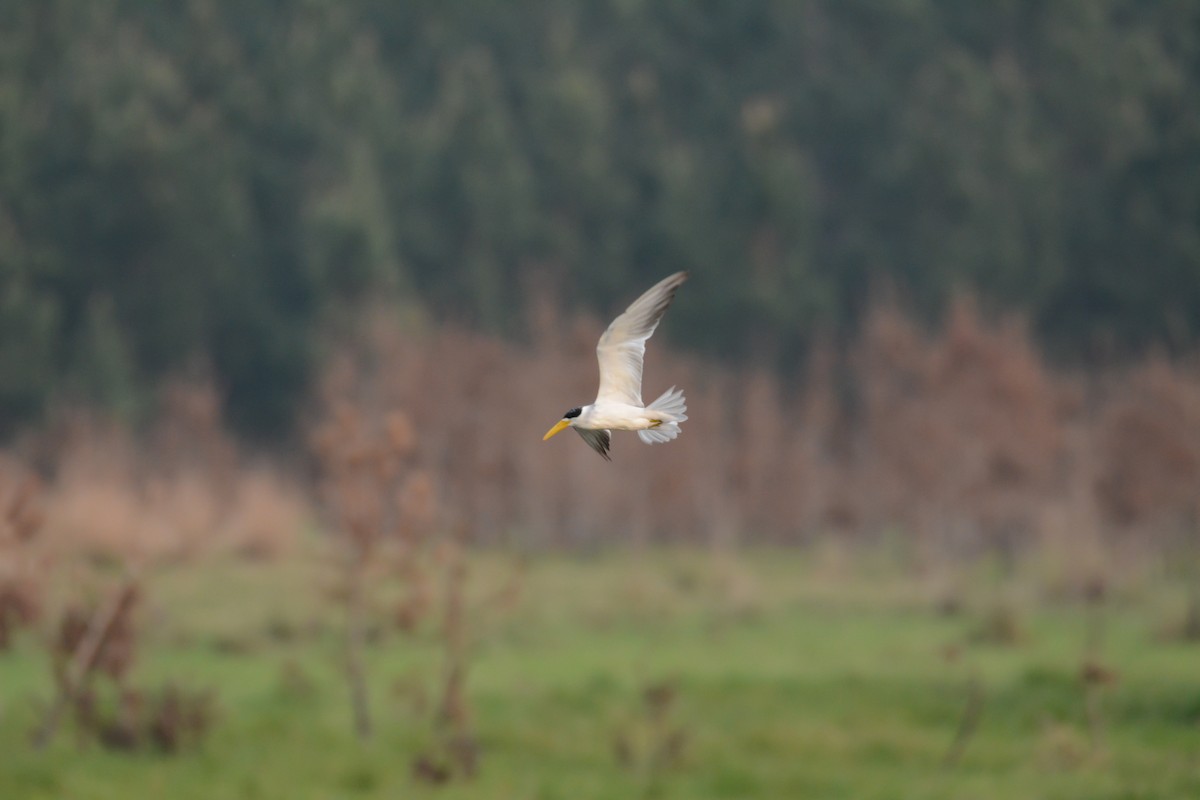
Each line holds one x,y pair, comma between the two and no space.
618,405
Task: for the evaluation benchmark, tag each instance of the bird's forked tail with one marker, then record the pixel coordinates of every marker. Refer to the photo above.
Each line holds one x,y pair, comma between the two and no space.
672,406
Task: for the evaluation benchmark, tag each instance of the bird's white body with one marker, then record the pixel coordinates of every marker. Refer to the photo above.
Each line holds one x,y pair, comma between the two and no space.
621,352
613,417
624,417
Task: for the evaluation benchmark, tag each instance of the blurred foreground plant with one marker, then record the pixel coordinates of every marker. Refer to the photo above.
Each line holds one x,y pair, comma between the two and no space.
652,741
377,499
21,569
404,555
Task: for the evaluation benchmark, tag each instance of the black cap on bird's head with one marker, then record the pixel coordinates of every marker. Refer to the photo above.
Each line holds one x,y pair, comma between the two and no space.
563,423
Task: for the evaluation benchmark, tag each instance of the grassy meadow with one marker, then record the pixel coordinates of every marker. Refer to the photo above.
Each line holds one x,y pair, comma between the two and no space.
673,674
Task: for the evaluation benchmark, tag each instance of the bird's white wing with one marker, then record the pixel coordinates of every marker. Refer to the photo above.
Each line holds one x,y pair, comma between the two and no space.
622,348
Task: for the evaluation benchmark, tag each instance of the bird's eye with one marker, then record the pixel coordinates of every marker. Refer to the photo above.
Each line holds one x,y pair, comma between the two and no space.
574,412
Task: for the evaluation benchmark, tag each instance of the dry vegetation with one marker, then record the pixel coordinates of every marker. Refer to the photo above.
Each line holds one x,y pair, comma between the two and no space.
958,443
22,568
963,440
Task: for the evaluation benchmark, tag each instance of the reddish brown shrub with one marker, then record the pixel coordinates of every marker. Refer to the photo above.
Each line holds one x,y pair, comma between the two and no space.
22,568
1149,450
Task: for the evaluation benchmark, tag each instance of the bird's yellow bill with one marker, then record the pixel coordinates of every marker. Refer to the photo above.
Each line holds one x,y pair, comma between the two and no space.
561,425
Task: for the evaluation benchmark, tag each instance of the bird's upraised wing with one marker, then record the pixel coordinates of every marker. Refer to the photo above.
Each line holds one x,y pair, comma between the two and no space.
622,348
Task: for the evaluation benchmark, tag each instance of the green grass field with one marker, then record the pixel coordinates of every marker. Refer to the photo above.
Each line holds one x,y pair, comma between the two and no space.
787,681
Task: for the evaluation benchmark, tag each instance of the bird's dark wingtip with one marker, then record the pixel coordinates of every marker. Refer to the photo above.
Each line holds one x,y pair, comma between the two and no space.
597,440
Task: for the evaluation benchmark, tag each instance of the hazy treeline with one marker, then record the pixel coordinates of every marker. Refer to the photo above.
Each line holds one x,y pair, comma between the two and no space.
950,444
199,181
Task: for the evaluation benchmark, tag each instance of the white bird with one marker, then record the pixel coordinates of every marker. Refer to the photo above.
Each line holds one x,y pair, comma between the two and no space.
618,405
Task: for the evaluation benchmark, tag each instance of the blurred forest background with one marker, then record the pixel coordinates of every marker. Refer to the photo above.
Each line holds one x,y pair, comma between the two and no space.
209,183
289,292
946,260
